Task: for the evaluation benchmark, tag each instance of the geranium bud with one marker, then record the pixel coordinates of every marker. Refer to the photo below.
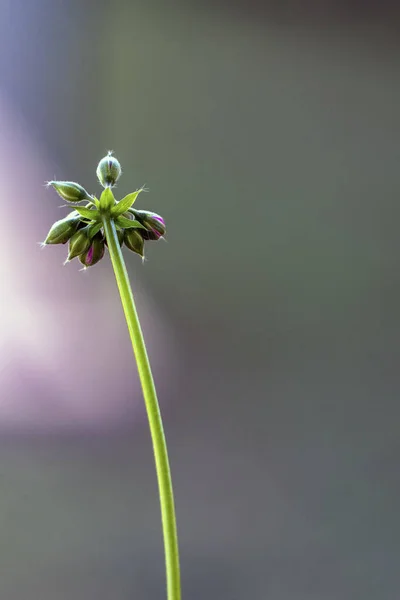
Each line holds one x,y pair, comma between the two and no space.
108,171
70,191
94,253
78,244
134,241
63,229
150,235
155,225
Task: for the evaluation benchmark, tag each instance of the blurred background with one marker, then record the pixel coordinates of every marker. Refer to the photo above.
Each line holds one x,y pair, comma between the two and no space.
268,135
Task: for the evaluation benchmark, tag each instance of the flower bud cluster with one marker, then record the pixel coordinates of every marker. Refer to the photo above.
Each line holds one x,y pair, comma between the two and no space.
83,227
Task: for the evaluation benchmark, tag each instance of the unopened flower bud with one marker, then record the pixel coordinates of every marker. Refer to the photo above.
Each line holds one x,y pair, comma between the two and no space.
108,171
70,191
78,244
134,241
94,253
155,225
63,229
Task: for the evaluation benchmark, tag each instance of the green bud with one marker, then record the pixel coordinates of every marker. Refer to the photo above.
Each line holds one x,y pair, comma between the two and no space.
134,241
94,253
70,191
78,244
63,229
108,171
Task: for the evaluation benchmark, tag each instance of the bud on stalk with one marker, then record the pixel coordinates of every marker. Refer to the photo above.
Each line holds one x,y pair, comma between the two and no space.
134,241
63,229
154,223
108,171
78,244
70,191
94,253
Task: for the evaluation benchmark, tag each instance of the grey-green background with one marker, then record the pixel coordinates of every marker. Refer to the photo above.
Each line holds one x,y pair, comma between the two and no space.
268,135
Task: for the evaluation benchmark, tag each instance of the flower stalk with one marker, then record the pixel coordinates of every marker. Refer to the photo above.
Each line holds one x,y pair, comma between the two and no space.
153,413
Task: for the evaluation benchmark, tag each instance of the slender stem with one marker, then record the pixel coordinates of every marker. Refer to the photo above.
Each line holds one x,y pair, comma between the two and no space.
153,413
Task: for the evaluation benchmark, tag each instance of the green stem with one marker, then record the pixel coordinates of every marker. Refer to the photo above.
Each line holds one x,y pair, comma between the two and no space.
153,413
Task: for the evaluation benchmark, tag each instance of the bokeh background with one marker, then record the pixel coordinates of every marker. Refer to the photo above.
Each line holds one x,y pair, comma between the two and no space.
268,135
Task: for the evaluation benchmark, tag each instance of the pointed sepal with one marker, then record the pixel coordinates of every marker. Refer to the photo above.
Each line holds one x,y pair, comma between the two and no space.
107,200
125,223
125,204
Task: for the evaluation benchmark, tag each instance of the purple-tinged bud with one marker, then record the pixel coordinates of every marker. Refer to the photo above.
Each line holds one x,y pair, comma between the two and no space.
78,244
134,241
108,171
63,229
70,191
154,223
94,253
150,235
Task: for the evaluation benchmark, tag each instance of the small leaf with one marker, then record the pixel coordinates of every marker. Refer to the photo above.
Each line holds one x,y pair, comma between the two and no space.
107,199
93,229
125,223
124,204
87,213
